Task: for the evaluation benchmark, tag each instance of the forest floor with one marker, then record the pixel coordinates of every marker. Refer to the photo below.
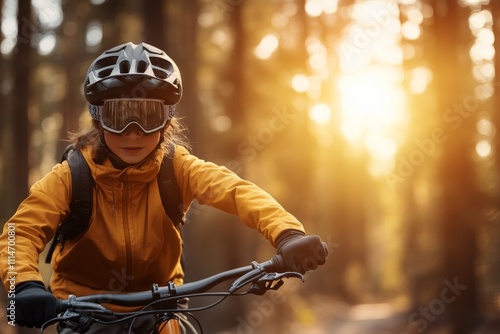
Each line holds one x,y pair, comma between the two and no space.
326,316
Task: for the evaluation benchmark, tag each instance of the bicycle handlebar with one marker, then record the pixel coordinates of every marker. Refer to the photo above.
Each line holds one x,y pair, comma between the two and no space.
244,276
275,264
79,313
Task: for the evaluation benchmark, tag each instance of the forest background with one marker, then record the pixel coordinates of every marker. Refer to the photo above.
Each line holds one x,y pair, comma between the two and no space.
373,121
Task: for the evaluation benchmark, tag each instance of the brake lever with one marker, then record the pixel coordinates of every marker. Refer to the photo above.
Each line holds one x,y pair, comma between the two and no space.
77,322
278,276
272,281
67,316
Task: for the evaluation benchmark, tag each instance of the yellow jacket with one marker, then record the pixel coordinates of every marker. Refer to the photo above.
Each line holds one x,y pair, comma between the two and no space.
131,243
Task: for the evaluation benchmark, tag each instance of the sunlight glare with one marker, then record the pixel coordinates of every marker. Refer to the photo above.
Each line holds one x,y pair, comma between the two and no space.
320,114
373,117
415,15
369,99
478,20
483,148
266,47
9,26
47,44
314,8
484,91
420,78
330,6
300,83
485,127
382,149
372,111
410,30
485,36
314,45
318,61
94,34
474,2
407,2
484,72
222,39
49,12
207,19
221,123
480,51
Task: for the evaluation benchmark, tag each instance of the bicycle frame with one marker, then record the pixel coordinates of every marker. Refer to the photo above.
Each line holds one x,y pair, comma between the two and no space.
83,311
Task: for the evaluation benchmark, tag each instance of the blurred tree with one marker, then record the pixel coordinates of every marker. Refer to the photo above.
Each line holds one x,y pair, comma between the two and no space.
180,32
459,198
416,169
494,227
154,23
22,69
74,54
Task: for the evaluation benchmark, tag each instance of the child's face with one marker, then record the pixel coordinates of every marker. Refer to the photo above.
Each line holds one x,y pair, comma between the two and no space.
133,145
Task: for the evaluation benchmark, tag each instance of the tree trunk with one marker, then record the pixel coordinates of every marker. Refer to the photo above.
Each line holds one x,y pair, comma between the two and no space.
154,22
458,193
74,53
493,290
21,65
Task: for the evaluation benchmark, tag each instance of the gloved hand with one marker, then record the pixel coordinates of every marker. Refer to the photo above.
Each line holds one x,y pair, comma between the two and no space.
34,304
300,252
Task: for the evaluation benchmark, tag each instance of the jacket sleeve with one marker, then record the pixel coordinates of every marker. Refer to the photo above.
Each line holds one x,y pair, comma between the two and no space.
33,225
219,187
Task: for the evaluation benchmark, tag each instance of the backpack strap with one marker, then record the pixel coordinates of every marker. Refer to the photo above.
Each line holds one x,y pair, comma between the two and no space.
170,194
82,184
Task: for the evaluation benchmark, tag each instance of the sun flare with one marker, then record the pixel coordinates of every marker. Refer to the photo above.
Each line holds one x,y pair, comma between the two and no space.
373,112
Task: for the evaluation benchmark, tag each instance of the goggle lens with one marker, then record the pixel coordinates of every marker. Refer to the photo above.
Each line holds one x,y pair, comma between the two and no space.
149,115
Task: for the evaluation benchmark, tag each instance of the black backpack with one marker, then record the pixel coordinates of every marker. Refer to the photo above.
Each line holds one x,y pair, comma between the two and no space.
77,221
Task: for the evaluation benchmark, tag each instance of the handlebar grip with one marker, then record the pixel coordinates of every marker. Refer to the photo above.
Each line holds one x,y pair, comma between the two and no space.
62,305
278,263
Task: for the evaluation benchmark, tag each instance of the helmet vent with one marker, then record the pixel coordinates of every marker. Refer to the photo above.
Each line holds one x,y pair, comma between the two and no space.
105,72
162,68
142,66
163,64
105,62
124,66
160,73
104,66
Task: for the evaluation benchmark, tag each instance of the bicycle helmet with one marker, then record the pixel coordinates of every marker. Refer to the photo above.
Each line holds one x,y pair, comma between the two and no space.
132,71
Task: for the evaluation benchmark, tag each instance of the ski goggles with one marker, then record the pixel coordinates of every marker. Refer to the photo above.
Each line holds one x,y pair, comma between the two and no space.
149,115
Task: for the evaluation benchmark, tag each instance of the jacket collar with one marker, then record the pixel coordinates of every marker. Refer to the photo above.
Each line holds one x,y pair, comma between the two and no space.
106,173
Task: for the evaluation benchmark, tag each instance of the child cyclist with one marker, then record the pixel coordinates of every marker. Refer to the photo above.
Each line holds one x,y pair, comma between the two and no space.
132,92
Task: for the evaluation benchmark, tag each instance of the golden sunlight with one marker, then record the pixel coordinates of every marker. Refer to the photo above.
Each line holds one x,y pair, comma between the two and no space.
320,113
372,99
373,113
266,47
